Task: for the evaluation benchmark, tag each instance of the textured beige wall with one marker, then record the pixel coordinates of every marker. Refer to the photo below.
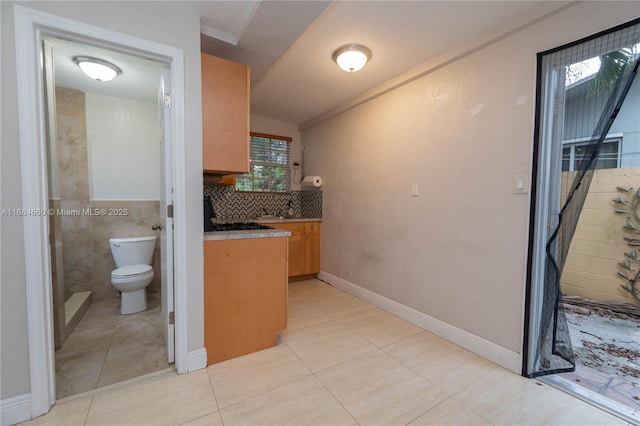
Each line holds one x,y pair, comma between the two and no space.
598,244
458,252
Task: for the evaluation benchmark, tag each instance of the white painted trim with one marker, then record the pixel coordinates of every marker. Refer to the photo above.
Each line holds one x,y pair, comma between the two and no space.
197,360
15,409
33,164
30,26
486,349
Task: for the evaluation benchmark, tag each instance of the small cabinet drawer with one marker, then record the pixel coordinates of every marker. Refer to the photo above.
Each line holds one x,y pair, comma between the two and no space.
311,228
296,228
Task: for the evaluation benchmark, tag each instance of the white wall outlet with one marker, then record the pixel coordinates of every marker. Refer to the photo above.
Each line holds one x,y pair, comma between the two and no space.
520,184
415,190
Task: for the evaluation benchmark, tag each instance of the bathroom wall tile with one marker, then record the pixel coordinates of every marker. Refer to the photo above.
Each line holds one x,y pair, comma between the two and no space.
73,172
137,221
57,277
101,276
76,238
72,145
70,103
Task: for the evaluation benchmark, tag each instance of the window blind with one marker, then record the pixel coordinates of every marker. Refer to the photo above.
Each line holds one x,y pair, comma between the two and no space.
269,161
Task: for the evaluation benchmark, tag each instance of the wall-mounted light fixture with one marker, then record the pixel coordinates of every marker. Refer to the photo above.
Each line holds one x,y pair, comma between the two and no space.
97,69
352,57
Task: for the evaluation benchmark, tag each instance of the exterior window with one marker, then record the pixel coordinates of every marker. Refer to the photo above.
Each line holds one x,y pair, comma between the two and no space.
573,154
269,169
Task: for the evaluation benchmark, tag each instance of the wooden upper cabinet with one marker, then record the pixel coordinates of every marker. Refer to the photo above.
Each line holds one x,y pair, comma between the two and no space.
225,115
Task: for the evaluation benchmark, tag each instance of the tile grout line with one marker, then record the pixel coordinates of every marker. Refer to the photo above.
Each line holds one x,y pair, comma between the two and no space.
324,385
213,390
106,355
310,373
86,417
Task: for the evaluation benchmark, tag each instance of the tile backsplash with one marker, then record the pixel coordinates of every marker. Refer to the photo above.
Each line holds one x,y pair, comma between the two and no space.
229,203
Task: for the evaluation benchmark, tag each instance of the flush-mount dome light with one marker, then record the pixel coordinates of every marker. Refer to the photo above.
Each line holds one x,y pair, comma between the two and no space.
97,69
352,57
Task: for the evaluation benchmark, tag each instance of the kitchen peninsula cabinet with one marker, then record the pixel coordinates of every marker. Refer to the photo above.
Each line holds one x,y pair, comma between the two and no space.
245,295
225,116
304,247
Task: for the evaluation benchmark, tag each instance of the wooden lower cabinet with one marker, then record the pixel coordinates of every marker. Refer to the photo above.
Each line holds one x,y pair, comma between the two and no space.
304,247
245,295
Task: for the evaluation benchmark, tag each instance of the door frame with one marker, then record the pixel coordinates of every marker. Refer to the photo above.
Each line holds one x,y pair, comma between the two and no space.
31,26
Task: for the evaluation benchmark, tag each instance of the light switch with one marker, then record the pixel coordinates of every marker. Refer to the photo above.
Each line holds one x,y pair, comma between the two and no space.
520,184
415,190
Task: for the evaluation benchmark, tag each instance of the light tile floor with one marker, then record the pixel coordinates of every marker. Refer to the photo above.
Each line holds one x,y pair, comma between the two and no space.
340,362
107,347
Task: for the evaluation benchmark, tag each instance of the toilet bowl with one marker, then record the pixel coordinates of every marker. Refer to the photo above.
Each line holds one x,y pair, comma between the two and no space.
132,281
134,272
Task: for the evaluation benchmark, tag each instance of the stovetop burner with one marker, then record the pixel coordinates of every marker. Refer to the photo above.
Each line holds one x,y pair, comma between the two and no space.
238,226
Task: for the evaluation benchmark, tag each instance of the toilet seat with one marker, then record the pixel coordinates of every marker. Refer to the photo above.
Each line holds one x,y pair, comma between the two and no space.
132,271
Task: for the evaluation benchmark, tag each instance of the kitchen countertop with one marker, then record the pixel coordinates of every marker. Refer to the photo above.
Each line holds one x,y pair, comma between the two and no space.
241,235
256,233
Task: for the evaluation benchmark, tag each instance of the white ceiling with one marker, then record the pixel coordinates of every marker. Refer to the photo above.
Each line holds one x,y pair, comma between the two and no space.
139,80
289,46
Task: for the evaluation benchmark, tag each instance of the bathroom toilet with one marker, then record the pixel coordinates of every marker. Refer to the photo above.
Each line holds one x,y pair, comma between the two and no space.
133,273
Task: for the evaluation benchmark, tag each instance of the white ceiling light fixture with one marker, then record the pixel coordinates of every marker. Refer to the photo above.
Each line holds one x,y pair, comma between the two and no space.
352,57
97,69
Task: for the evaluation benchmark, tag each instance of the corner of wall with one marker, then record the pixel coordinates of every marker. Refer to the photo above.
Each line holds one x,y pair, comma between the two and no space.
482,347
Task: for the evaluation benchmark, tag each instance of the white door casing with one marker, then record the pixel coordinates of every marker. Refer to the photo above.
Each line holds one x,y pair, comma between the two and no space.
31,27
166,220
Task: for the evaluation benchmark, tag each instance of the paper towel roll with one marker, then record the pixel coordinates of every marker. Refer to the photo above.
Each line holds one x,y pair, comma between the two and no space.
315,181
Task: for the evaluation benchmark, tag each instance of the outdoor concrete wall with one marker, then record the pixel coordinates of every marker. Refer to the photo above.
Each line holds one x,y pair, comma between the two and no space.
598,244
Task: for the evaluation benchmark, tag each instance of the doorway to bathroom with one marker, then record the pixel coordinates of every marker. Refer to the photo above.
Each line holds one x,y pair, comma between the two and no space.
107,178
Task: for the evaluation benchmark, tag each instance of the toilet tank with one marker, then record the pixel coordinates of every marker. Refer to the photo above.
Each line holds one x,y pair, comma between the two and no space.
132,251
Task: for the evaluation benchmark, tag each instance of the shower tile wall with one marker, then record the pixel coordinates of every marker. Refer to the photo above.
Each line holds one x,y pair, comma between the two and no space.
85,239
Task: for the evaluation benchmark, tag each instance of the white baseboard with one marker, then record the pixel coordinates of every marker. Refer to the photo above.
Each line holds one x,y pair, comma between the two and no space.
196,360
485,348
15,409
